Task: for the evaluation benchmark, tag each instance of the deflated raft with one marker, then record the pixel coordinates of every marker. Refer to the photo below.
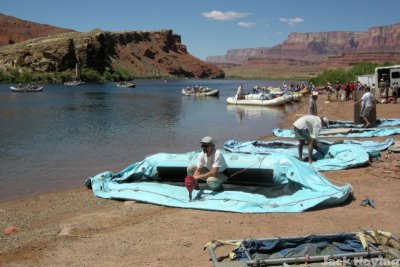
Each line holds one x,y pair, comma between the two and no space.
390,122
344,132
290,185
336,155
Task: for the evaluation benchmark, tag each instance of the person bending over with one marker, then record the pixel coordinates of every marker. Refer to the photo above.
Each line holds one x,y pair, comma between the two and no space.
306,129
211,165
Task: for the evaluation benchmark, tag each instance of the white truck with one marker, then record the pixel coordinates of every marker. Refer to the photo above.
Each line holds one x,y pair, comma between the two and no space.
389,74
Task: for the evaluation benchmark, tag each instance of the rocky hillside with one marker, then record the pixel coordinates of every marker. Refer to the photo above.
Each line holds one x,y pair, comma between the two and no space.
143,54
14,30
328,49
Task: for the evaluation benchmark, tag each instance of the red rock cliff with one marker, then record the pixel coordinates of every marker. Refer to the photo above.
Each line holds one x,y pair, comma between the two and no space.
14,30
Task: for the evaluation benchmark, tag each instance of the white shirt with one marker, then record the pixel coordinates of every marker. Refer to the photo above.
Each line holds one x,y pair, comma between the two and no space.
216,159
367,100
310,122
239,91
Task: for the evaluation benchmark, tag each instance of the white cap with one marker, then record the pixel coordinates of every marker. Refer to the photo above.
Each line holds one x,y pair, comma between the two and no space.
207,140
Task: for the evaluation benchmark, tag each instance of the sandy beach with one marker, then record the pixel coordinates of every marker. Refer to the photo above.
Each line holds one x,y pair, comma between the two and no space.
74,228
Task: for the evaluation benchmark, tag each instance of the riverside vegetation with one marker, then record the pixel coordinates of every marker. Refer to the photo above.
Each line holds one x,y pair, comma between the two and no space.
121,74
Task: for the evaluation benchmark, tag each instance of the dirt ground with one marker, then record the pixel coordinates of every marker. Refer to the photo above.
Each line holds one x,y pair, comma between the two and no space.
74,228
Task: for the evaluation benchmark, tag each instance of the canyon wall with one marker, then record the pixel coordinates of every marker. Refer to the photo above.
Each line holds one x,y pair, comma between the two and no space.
142,53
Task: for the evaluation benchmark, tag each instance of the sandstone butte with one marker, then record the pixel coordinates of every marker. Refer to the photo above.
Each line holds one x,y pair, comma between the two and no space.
43,48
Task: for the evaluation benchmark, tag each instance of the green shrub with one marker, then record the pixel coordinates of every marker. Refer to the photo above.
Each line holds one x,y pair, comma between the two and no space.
90,75
343,75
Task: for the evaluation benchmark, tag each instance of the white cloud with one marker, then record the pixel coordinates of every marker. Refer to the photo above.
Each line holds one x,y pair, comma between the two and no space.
291,21
229,15
246,24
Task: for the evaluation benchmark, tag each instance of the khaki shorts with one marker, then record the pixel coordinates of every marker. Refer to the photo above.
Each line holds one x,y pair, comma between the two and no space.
365,111
212,182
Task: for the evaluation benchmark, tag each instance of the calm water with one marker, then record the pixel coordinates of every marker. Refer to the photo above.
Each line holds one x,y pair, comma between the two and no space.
54,140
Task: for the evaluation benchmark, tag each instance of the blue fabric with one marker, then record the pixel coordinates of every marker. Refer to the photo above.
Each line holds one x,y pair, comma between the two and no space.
350,154
312,245
290,147
314,190
354,132
379,123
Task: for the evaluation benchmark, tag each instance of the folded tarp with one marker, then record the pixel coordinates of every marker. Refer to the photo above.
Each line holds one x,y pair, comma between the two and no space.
366,248
133,183
347,154
347,132
379,123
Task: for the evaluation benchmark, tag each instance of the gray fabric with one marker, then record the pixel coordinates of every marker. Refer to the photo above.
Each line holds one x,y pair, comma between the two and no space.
302,134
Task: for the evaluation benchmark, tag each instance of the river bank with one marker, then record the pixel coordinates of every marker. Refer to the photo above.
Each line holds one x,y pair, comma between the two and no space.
74,228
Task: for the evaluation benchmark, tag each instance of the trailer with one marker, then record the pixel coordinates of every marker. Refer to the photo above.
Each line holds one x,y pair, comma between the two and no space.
367,79
386,76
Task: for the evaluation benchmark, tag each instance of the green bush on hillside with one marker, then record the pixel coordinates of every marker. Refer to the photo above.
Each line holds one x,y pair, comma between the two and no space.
121,74
344,76
91,75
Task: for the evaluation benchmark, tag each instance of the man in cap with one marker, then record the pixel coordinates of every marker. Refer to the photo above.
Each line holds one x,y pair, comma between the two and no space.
211,165
312,104
368,103
307,129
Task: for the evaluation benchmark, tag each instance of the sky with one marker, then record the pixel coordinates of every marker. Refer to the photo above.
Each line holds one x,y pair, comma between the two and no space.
211,27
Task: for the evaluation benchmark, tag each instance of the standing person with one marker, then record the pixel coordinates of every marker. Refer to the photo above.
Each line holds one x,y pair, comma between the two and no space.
395,92
386,89
348,91
328,89
381,86
312,104
306,129
337,88
368,102
239,92
211,165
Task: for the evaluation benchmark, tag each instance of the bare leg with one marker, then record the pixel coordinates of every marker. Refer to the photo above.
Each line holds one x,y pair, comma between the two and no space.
310,150
301,145
367,123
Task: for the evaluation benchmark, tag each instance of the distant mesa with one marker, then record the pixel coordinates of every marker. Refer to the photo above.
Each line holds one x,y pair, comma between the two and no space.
318,51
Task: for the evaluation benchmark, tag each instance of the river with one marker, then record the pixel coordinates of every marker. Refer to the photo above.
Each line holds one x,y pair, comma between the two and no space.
55,139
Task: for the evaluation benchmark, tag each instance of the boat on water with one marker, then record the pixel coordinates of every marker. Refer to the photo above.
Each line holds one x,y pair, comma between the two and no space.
264,100
74,83
200,91
125,85
27,88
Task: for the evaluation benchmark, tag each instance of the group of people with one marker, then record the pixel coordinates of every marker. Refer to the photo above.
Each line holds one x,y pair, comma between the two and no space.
211,165
385,89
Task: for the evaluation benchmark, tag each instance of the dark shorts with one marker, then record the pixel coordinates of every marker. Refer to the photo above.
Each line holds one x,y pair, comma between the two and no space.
302,134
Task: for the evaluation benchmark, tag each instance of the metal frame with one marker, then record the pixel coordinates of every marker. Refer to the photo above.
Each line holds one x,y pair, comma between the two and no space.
371,252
